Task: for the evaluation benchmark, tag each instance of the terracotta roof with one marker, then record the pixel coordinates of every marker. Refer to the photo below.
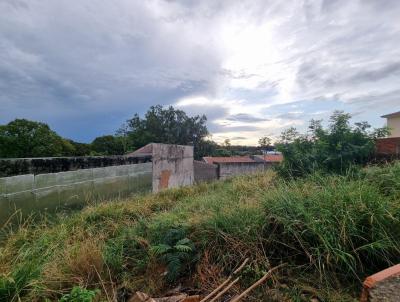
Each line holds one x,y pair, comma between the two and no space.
394,114
274,158
229,159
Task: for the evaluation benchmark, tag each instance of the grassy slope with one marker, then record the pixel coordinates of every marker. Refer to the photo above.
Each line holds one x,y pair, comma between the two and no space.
331,231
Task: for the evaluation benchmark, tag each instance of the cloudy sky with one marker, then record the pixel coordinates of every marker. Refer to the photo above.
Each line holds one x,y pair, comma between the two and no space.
253,67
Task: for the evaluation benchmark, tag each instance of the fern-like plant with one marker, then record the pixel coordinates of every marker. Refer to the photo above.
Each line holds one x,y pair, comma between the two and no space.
79,294
175,252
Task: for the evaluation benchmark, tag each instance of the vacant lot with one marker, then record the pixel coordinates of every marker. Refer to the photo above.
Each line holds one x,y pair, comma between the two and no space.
331,231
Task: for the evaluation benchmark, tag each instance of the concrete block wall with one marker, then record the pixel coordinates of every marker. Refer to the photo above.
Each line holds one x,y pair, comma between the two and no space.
226,170
172,166
22,166
204,172
53,191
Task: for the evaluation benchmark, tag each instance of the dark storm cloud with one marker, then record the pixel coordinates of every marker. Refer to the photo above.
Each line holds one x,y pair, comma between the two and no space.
86,66
95,60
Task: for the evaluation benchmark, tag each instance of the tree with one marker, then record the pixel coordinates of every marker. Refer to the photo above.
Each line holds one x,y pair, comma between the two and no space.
169,126
227,143
24,138
265,142
80,149
108,145
332,150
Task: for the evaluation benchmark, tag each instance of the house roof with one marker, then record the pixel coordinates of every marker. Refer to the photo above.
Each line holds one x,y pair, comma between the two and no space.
144,151
273,158
230,159
394,114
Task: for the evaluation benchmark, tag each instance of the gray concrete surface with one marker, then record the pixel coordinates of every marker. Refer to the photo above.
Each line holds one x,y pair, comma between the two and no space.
204,172
232,169
53,191
172,166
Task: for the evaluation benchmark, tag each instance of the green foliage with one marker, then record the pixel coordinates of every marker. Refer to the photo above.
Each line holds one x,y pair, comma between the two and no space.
331,230
386,178
125,253
176,251
335,149
79,294
80,149
19,283
24,138
169,126
108,145
338,224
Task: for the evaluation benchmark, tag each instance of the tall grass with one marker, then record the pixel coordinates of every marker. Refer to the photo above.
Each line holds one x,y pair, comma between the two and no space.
331,230
336,224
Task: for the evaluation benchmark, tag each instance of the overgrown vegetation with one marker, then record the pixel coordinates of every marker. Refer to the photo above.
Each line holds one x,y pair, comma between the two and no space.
79,294
336,149
331,230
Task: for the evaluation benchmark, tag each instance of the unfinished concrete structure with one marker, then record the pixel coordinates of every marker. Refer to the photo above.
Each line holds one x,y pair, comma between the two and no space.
52,192
204,172
172,165
382,286
235,165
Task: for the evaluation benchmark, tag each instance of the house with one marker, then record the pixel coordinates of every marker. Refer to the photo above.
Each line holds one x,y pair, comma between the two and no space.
393,122
270,158
235,165
391,144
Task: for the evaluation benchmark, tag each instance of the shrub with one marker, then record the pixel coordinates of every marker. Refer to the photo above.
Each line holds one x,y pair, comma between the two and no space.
335,149
79,294
176,252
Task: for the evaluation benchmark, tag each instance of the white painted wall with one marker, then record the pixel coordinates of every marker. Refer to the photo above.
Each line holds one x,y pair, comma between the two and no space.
394,124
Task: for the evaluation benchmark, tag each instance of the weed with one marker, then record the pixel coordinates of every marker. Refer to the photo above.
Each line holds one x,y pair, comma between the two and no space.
79,294
176,251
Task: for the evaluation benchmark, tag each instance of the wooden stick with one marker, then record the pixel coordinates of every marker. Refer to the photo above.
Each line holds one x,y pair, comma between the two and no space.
240,267
260,281
216,290
225,289
226,281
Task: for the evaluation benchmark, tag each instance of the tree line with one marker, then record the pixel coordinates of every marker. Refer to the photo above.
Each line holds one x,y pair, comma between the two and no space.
25,138
335,148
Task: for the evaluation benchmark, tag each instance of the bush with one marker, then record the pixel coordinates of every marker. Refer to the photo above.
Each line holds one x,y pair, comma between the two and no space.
176,251
79,294
333,150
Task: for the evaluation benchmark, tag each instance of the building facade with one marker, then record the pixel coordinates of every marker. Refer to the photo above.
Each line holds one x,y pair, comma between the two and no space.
391,144
393,122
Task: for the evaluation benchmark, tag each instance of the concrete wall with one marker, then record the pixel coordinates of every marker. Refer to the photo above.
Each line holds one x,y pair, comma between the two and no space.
204,172
53,191
382,286
21,166
172,166
394,124
232,169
